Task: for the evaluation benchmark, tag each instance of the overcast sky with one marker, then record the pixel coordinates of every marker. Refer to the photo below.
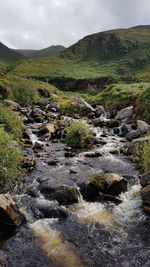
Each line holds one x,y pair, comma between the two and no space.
40,23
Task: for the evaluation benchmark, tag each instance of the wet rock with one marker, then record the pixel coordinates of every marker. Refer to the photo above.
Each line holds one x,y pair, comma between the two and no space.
100,122
52,162
99,110
144,181
113,123
29,162
69,154
73,170
105,198
92,187
143,126
10,216
109,184
133,134
38,145
115,184
52,211
124,113
93,154
145,193
66,195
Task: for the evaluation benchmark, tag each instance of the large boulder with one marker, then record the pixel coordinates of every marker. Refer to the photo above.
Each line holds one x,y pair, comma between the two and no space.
124,113
66,195
143,126
110,184
133,134
145,193
115,184
10,216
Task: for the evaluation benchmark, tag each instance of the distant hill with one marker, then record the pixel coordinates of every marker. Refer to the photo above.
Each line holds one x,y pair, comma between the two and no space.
43,53
115,52
8,55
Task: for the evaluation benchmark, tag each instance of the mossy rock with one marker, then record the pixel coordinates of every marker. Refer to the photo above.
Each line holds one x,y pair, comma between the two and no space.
91,188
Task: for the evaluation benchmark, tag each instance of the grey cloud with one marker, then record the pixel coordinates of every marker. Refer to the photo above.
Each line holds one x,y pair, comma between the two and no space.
40,23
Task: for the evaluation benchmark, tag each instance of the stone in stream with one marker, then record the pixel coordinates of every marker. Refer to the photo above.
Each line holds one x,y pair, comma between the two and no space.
99,110
66,195
53,106
10,215
133,134
124,113
93,154
145,193
109,183
143,126
47,128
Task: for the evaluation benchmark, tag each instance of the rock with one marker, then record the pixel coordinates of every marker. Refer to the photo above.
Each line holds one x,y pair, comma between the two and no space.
99,110
29,162
109,184
47,128
92,187
83,102
69,154
38,145
53,106
53,212
144,181
143,126
15,106
93,154
145,193
52,162
91,115
133,134
66,195
99,122
124,113
115,184
10,216
105,198
113,123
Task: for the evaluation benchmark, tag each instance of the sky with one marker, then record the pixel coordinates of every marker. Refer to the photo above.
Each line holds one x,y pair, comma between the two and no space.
36,24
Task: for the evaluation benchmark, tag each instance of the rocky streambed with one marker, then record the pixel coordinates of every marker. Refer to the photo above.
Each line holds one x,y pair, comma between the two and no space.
81,208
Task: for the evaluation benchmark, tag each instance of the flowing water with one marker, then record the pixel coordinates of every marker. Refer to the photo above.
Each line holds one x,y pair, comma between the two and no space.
93,233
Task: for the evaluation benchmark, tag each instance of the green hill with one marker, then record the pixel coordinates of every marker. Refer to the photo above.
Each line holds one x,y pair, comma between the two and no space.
8,55
119,52
46,52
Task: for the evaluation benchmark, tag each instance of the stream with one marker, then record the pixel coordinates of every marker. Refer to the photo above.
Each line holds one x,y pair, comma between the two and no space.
87,233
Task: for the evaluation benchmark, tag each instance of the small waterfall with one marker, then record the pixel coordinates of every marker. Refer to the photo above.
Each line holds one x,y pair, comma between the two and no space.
80,198
33,137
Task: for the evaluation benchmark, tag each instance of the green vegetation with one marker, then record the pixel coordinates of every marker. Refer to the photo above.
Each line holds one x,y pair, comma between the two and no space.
146,158
79,135
10,159
123,52
10,122
46,52
24,94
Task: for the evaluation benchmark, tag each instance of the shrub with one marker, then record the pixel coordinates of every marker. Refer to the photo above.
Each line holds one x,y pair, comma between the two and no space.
24,94
146,158
10,159
11,122
79,135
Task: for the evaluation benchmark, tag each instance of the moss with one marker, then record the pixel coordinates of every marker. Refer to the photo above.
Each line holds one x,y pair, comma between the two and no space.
95,185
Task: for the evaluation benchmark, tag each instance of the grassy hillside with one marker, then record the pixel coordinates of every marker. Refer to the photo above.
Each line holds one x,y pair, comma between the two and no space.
120,52
43,53
8,55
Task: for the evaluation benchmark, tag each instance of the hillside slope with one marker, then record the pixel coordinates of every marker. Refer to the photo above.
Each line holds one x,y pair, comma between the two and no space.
115,53
8,55
43,53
